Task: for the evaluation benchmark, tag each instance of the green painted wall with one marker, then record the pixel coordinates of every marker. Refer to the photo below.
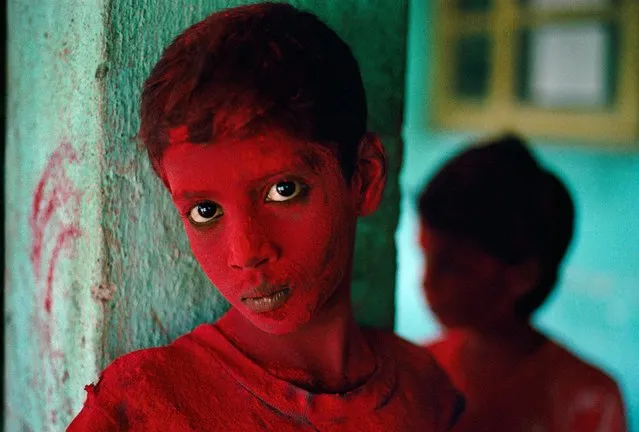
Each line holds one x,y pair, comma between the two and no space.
123,276
594,309
53,203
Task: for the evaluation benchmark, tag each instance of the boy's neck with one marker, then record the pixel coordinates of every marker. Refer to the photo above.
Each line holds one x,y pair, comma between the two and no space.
509,343
327,355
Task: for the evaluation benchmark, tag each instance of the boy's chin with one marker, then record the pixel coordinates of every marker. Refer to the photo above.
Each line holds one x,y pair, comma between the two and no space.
278,323
452,322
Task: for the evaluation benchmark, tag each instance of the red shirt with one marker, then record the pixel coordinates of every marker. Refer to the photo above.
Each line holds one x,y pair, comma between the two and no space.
551,391
201,382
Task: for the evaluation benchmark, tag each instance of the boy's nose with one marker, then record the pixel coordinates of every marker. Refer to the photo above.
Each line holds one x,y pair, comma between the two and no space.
250,247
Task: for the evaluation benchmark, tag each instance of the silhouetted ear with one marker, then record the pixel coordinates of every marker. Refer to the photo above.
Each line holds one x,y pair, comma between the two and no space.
523,277
423,236
369,178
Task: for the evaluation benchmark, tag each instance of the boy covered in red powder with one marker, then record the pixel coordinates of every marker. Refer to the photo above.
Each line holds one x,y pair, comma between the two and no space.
255,121
495,229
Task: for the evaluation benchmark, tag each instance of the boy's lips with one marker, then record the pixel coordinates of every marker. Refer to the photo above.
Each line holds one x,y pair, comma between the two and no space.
266,298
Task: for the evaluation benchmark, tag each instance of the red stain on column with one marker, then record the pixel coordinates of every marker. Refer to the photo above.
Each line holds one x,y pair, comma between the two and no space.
69,233
54,223
55,215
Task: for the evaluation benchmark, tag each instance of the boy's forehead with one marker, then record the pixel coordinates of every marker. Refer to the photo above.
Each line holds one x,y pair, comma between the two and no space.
179,134
260,154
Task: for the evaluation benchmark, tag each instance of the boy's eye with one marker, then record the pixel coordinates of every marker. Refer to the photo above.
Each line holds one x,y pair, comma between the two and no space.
205,212
284,191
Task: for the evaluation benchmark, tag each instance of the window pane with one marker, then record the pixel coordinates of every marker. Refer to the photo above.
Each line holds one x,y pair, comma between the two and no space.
474,5
571,66
567,4
472,66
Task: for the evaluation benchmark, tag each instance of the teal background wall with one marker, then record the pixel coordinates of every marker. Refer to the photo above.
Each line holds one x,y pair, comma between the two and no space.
97,261
53,205
594,309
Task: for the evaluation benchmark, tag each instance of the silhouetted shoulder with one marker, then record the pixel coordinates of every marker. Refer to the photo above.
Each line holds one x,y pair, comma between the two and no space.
573,373
442,348
588,397
419,373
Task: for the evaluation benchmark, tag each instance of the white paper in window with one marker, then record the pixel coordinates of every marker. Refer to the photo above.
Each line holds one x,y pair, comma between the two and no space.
569,4
568,66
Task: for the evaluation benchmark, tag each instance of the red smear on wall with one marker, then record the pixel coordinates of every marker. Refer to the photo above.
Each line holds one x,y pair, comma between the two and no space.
54,219
54,222
69,233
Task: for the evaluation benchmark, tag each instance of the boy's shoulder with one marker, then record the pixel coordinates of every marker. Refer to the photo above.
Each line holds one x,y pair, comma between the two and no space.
557,365
418,373
147,360
406,353
442,348
575,373
411,360
154,385
588,393
186,354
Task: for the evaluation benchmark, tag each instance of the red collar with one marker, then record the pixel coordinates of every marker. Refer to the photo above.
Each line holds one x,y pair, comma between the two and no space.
294,401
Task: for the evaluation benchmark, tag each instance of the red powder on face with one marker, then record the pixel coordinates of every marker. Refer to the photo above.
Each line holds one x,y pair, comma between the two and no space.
259,245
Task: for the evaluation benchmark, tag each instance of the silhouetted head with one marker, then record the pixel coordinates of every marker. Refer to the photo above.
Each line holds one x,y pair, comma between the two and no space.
246,69
495,228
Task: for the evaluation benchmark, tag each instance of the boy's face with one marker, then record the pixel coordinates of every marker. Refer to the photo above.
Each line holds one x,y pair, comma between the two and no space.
271,220
465,286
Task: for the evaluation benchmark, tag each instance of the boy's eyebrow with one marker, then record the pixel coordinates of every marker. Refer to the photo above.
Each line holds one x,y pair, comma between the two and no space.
310,160
187,195
309,163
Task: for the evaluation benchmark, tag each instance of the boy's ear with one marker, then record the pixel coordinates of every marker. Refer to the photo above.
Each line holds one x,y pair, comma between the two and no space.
524,277
423,236
369,177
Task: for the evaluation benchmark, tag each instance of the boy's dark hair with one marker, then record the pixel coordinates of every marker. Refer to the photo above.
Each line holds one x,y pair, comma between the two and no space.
497,197
245,69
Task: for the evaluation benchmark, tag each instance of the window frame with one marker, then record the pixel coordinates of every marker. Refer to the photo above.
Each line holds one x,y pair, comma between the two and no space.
616,125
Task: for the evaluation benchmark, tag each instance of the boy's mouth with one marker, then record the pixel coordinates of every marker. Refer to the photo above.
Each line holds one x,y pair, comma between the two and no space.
266,300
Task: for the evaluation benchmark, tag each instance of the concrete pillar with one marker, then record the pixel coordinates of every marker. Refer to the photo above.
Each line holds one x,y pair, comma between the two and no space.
54,209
